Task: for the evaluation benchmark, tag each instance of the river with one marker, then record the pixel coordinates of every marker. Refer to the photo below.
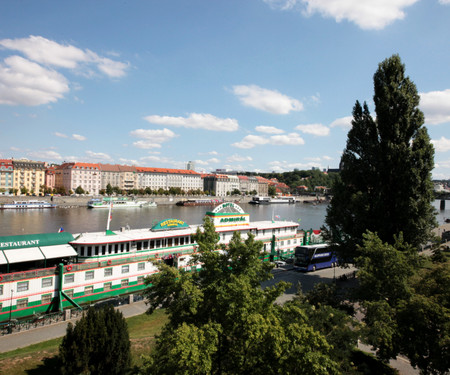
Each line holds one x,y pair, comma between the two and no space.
82,219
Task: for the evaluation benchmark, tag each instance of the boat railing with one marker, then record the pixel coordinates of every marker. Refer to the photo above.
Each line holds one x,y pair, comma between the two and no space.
13,276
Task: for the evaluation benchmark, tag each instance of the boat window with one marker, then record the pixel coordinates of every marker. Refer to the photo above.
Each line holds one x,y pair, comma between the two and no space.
124,283
46,299
169,242
116,248
122,247
89,275
176,241
108,272
126,268
22,303
181,240
141,266
140,279
103,249
69,278
139,245
107,286
22,286
152,244
158,244
1,290
96,250
145,245
89,290
69,293
89,251
47,281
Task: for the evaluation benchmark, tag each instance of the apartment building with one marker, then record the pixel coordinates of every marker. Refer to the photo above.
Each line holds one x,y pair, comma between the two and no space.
6,175
164,178
72,175
28,175
122,176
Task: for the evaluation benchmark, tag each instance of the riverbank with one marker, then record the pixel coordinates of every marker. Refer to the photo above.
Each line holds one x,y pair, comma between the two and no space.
82,201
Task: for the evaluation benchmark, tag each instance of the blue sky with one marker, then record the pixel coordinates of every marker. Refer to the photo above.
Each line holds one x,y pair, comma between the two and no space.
255,85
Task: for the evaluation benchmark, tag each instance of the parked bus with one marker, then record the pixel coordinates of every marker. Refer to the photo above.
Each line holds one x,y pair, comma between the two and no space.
313,257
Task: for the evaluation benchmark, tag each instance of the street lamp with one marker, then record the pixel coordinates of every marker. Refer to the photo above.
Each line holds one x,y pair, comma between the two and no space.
10,312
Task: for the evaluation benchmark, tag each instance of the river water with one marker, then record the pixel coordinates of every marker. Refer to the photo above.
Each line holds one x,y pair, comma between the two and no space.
82,219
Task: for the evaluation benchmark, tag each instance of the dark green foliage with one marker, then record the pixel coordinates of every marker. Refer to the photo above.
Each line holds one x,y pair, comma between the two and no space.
98,344
385,182
222,322
406,308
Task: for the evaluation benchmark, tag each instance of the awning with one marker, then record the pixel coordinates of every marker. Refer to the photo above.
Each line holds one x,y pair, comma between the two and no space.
23,255
58,251
2,258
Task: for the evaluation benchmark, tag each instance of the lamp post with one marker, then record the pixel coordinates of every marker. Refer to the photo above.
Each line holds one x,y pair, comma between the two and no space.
10,311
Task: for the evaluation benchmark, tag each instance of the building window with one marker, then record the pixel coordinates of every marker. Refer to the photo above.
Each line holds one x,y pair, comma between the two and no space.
107,287
89,290
47,281
22,303
108,272
46,299
89,275
22,286
124,283
126,268
69,278
141,266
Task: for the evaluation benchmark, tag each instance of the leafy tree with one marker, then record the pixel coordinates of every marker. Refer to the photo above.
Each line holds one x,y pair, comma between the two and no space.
385,181
79,190
222,322
24,190
109,189
272,190
98,344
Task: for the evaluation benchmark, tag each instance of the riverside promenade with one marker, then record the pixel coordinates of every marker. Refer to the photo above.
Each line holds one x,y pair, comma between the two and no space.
36,335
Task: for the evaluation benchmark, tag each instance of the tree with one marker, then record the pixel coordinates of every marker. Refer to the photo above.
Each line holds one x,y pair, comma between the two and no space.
272,190
98,344
222,322
79,190
385,182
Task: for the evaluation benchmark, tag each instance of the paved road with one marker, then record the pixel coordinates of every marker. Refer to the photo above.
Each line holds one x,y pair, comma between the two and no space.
33,336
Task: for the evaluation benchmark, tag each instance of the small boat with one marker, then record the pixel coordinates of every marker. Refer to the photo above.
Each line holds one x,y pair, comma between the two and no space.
28,204
118,203
260,200
199,202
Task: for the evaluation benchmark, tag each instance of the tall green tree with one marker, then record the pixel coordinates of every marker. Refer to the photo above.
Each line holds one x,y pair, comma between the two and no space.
385,182
222,322
98,344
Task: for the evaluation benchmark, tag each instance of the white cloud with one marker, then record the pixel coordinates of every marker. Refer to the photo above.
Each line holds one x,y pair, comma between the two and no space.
291,139
23,82
60,135
78,137
441,145
436,106
152,138
269,130
314,129
444,2
267,100
46,155
367,14
343,122
251,141
196,121
238,158
98,157
49,52
207,162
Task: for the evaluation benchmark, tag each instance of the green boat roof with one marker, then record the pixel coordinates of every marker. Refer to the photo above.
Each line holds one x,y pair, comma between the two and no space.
33,240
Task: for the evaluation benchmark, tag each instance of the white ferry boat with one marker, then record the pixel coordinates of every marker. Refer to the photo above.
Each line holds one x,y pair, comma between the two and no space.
118,203
28,204
43,273
275,200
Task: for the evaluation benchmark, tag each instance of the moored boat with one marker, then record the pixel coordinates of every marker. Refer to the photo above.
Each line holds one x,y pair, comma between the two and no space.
31,204
49,272
200,202
120,202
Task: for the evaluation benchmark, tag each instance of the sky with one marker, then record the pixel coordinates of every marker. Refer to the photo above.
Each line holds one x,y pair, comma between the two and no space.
247,85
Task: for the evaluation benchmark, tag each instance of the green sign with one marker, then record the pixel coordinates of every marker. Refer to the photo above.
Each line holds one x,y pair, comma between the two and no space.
169,224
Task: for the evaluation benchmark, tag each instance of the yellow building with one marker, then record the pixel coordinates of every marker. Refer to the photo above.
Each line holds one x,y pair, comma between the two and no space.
29,176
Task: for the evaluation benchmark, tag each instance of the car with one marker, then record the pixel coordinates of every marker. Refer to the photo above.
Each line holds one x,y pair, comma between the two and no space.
280,263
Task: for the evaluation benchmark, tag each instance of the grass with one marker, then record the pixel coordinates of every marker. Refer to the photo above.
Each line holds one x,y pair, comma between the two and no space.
41,358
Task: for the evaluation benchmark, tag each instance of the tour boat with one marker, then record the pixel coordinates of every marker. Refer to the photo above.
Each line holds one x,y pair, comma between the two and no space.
118,203
41,273
28,204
